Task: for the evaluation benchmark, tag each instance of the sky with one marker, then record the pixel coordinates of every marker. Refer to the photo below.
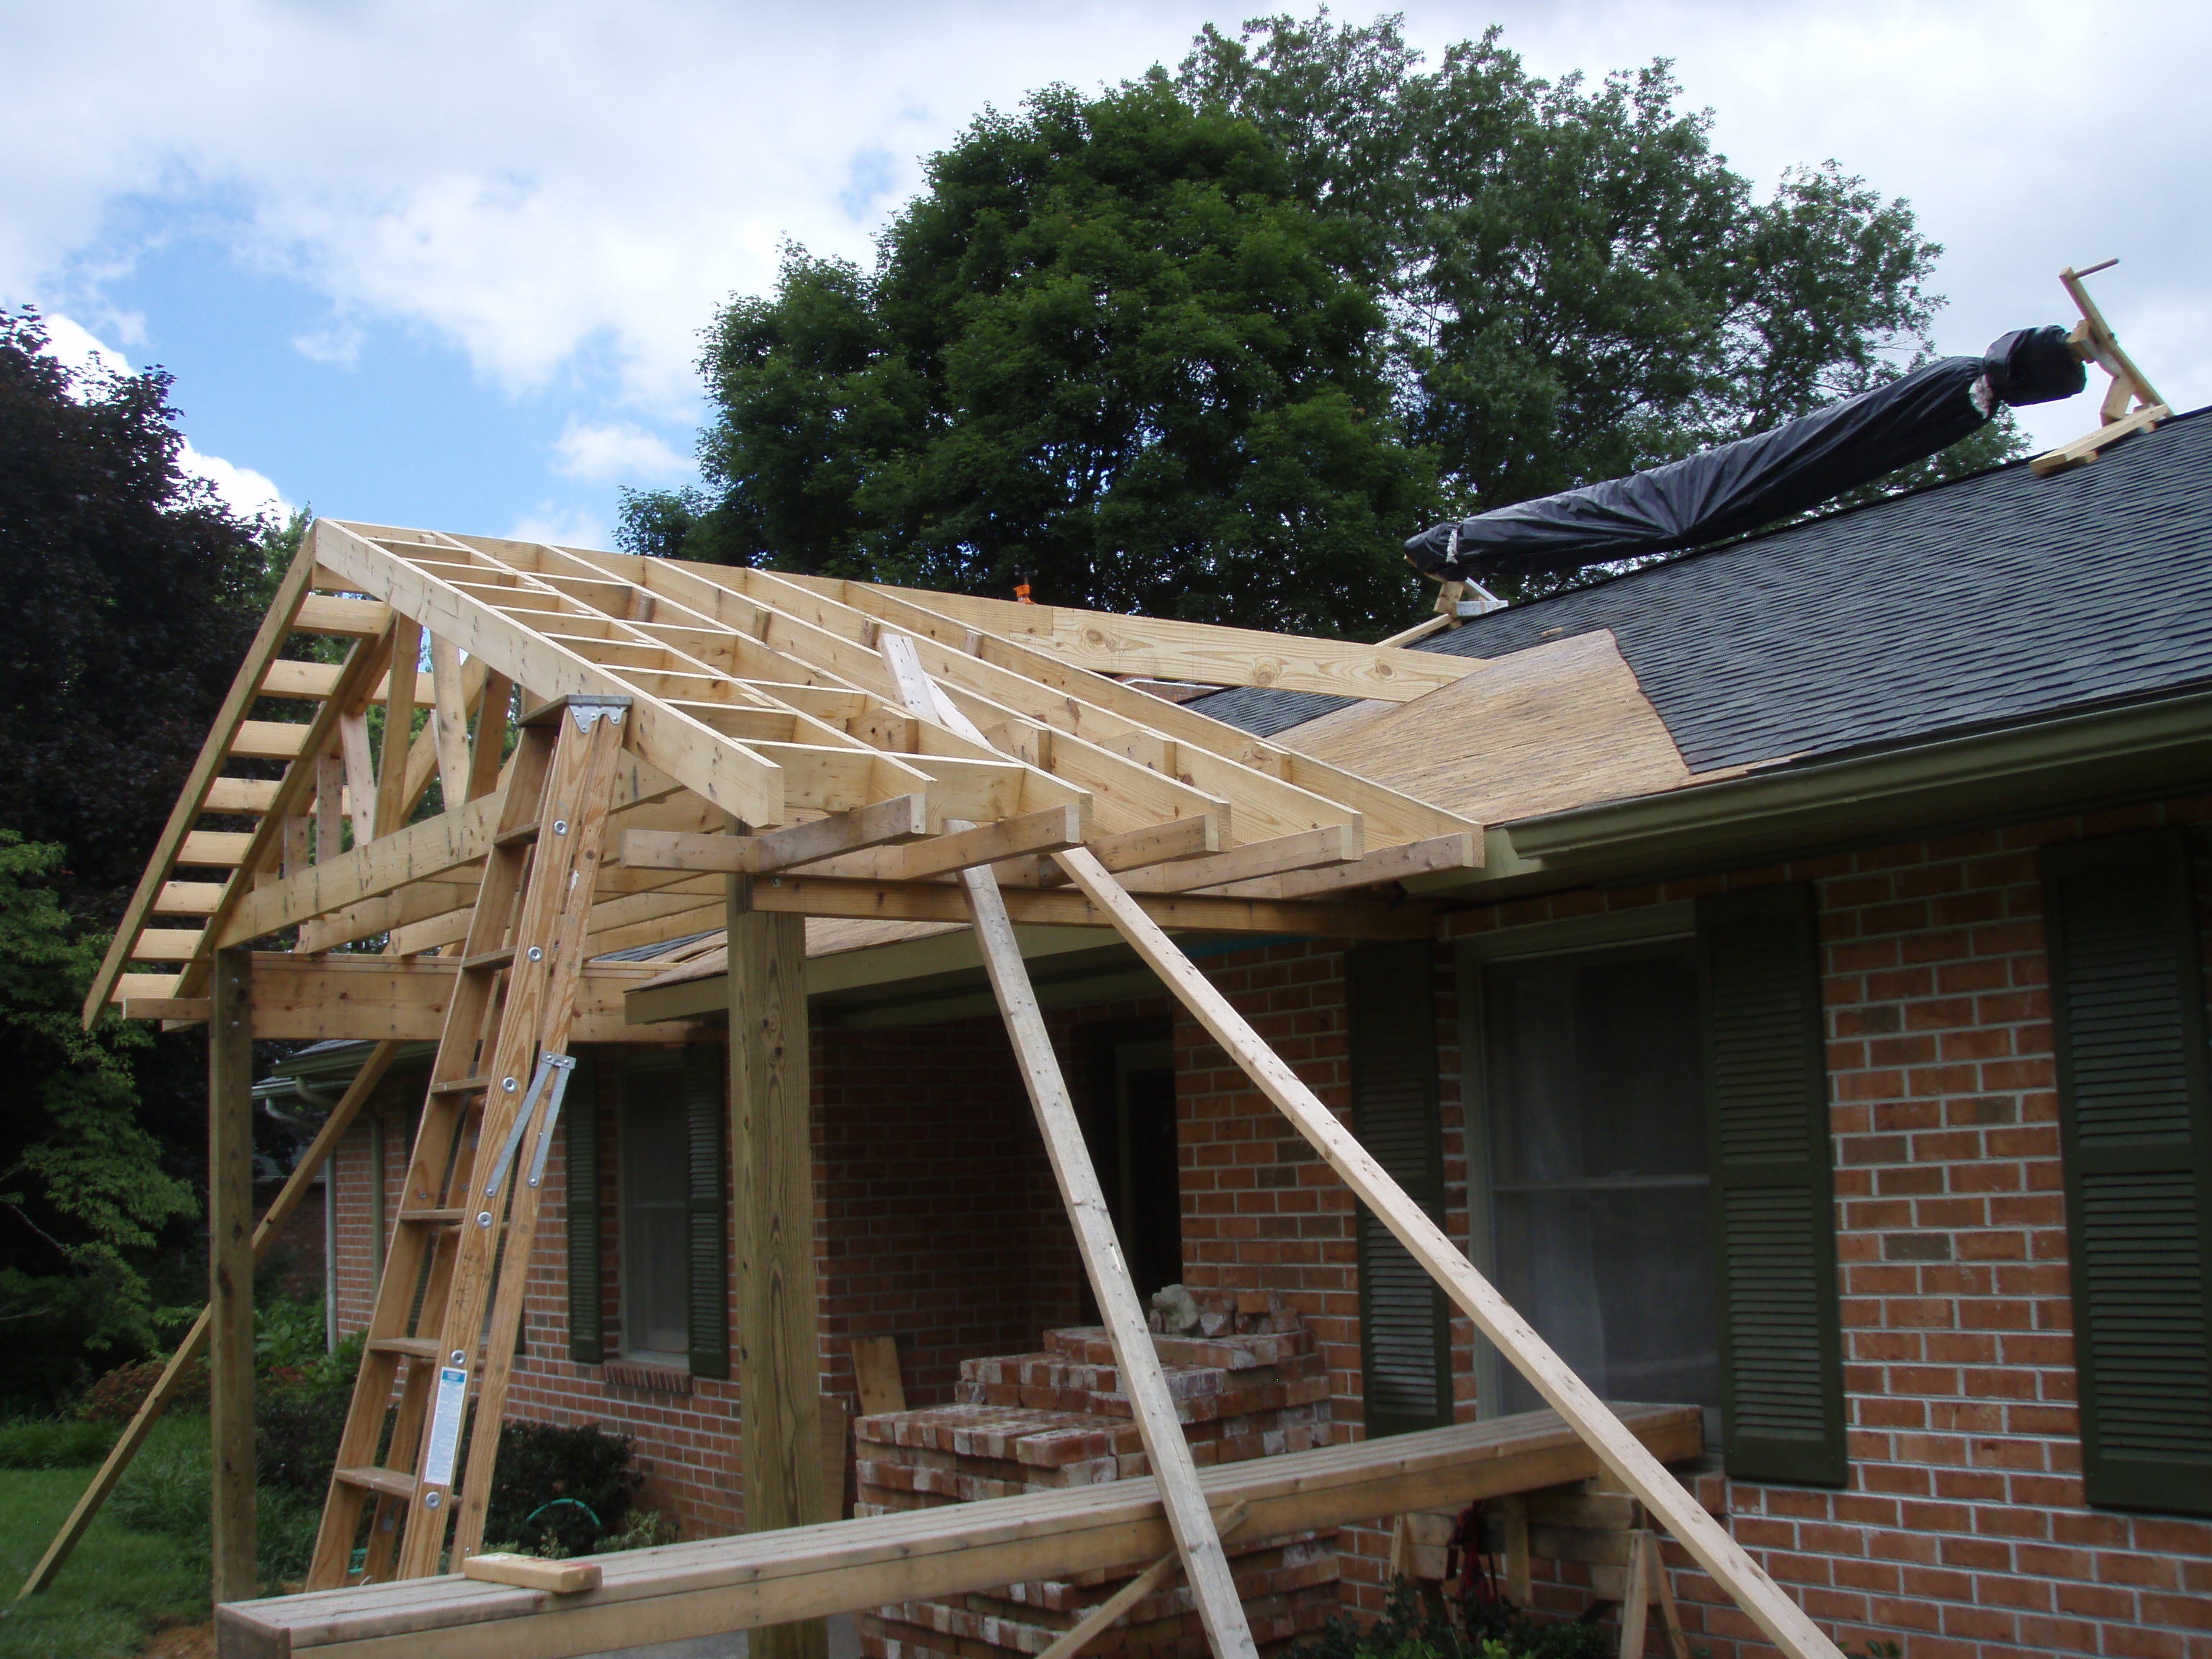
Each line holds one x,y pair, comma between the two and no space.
447,264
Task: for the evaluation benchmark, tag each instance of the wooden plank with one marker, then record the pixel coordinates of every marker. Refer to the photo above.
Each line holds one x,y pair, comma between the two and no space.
267,741
821,896
1205,1562
1032,833
360,777
772,1167
493,711
189,898
1155,1577
268,639
723,772
876,1375
214,849
449,721
1332,844
685,1591
167,945
330,807
398,727
360,619
1400,863
420,852
902,817
240,795
1781,1620
230,1272
313,681
529,1572
296,1186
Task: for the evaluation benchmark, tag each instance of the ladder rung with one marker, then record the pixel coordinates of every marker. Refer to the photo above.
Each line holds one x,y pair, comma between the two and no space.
521,832
461,1085
433,1218
415,1348
390,1482
499,958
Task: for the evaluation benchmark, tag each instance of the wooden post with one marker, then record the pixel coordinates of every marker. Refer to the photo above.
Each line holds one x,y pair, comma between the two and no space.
230,1269
772,1186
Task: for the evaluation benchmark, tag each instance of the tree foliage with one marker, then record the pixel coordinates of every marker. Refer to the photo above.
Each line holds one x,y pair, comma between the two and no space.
1212,345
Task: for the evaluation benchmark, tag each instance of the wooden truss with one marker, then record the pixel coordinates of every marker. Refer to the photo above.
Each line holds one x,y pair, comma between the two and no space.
827,749
2130,402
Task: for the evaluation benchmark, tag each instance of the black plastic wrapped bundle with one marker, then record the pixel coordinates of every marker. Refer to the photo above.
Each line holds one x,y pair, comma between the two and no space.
1741,486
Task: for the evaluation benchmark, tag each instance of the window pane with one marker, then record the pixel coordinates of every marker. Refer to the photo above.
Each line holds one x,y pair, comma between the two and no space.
656,1215
1599,1192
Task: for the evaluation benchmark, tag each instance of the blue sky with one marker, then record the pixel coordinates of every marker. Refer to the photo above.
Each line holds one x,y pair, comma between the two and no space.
446,265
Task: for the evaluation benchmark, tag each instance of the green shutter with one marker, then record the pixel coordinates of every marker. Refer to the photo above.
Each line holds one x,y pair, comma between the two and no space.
580,1145
1766,1134
706,1125
2127,1003
1404,1343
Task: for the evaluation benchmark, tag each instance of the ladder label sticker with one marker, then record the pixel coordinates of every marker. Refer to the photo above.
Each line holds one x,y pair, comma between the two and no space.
446,1426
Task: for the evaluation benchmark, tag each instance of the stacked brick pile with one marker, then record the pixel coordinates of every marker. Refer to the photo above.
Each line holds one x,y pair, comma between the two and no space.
1038,1422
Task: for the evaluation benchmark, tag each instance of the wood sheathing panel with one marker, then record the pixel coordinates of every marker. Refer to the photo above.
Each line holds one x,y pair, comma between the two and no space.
1560,725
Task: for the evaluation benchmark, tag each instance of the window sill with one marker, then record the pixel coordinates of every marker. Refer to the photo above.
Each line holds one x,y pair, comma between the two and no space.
650,1377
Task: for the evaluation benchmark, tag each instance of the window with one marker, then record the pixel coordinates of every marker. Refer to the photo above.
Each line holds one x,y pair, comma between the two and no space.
653,1160
1599,1193
1130,1132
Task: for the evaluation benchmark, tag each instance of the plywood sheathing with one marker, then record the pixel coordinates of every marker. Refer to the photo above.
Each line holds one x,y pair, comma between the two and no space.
1560,725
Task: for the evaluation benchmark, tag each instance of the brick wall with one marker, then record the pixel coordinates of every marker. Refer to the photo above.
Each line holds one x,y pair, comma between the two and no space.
1962,1534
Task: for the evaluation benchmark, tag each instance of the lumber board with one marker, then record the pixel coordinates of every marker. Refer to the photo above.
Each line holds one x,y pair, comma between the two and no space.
221,849
398,727
876,1375
902,817
1781,1620
230,1273
1406,860
296,1186
449,720
684,1591
291,593
823,896
1159,648
313,681
1137,1362
725,772
240,795
1332,844
530,1572
360,619
188,898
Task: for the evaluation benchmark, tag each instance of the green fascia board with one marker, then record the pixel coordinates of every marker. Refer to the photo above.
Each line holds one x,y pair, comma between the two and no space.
2065,760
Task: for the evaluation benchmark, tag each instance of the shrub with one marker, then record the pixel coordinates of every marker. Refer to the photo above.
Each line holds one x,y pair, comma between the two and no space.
1409,1629
565,1486
288,1334
116,1397
53,1444
298,1417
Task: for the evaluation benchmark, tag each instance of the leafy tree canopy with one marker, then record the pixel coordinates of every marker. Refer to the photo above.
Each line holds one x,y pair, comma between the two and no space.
1212,345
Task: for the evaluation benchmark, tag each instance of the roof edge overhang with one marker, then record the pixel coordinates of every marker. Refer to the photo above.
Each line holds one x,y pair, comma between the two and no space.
2081,757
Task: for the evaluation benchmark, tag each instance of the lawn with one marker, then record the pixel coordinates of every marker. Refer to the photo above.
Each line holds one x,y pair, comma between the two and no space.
122,1580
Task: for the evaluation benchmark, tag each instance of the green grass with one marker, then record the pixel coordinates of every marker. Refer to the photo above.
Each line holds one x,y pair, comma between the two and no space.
146,1557
121,1581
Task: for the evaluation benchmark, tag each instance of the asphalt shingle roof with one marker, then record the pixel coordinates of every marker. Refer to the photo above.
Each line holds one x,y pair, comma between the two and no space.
1979,602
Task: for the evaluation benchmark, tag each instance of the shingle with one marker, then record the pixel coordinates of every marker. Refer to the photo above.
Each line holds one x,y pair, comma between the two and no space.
1985,601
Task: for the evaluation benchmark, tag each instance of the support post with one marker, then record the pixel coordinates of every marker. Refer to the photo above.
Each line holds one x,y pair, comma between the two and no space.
230,1269
772,1186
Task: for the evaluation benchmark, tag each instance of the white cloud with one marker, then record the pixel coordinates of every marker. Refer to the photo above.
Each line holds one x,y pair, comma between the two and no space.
554,183
563,526
247,492
617,453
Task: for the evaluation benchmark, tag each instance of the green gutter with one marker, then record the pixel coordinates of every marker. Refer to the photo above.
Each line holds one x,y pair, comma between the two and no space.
2066,762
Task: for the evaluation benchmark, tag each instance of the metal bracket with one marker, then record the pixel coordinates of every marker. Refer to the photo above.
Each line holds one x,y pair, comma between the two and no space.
552,1065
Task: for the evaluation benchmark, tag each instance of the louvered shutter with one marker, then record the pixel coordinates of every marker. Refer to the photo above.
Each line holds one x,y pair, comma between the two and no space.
2127,997
1404,1339
709,1239
1766,1129
579,1146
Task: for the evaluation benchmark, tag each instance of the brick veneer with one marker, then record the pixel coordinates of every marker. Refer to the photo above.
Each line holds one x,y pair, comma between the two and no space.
1962,1532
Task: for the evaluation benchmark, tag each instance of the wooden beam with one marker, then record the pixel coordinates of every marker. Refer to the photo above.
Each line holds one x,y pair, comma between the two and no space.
685,1591
360,619
1205,1565
772,1172
360,775
244,685
823,896
703,759
398,727
1781,1620
420,852
449,721
902,817
1334,844
230,1271
1406,860
239,795
304,1175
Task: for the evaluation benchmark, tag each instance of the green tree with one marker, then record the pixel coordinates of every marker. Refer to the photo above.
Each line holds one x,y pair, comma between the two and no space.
1107,351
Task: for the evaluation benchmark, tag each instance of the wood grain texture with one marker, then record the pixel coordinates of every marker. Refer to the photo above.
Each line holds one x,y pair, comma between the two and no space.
230,1271
685,1591
772,1182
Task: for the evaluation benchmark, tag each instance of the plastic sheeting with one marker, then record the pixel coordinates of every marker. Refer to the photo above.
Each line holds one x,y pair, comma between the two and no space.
1754,481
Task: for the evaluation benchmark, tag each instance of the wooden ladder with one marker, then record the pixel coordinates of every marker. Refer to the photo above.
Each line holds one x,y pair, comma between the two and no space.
501,1069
